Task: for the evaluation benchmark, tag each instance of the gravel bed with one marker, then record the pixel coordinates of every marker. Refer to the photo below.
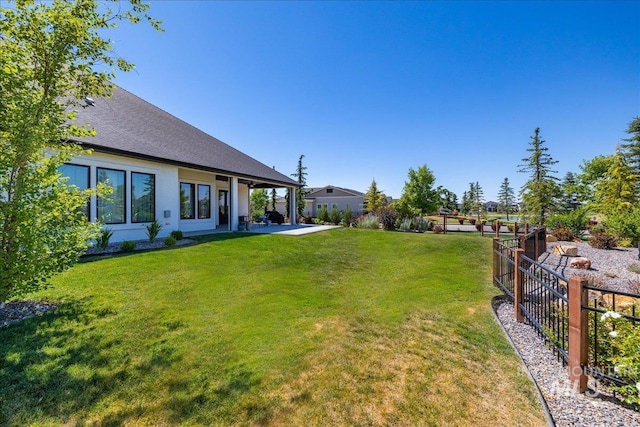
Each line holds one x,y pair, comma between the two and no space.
608,267
598,406
13,312
141,245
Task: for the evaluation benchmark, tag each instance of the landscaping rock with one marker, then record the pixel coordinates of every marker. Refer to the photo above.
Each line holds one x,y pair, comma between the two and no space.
565,250
622,302
581,263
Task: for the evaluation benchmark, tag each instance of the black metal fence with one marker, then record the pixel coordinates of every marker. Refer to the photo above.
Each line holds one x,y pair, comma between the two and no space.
542,298
543,301
504,264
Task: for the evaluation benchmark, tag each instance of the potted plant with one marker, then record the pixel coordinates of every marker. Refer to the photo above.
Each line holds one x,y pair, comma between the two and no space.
472,221
461,220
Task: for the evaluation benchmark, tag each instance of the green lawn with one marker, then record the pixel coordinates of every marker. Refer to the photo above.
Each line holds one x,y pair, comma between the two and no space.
345,327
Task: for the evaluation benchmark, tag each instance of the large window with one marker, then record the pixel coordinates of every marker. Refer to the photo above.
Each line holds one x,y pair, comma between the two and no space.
204,201
77,176
187,200
111,207
143,197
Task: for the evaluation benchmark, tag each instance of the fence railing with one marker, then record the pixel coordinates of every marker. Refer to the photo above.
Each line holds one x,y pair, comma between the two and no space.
565,312
540,299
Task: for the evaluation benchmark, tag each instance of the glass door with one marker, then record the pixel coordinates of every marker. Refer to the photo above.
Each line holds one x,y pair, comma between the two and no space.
223,207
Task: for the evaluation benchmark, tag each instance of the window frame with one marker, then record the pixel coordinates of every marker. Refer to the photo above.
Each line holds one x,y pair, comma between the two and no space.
88,186
192,199
153,205
124,195
198,207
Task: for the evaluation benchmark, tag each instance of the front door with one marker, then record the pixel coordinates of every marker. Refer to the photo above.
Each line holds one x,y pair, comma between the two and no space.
223,207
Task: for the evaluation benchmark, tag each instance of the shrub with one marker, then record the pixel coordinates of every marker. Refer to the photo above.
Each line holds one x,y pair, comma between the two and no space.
170,241
405,224
634,268
575,221
564,234
423,225
177,234
387,216
127,246
153,229
323,215
600,239
625,224
368,221
335,216
624,338
103,239
348,216
437,229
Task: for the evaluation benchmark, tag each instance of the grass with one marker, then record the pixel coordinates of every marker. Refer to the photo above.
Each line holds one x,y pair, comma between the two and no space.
345,327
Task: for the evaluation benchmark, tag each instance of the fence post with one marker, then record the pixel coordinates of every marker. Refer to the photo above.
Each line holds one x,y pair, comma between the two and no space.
497,223
578,333
515,229
518,286
496,261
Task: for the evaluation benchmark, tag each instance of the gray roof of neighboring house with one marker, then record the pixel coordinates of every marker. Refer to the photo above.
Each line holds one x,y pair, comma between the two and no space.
128,125
314,189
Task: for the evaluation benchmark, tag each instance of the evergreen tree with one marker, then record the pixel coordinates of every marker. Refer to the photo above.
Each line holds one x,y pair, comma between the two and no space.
477,198
374,199
539,194
466,203
506,198
301,176
631,148
570,188
448,199
274,197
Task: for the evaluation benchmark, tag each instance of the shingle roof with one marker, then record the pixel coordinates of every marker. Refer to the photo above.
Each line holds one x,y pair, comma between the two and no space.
128,125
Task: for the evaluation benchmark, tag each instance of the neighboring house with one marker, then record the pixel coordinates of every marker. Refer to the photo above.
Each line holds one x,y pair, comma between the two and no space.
491,206
328,197
160,167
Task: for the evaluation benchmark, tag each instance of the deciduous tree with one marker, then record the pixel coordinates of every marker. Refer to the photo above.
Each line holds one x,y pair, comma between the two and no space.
52,56
418,193
259,201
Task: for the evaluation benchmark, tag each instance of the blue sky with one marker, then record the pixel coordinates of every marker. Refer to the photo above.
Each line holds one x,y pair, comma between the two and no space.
367,90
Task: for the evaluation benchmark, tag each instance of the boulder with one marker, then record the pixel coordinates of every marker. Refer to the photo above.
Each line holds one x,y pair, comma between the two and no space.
551,238
623,303
581,263
565,250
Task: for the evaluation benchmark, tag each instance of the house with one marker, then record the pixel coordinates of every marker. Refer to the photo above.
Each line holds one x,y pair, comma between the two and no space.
491,206
160,167
328,197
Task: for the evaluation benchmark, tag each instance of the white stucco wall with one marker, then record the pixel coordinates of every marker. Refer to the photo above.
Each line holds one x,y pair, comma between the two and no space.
167,193
167,181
